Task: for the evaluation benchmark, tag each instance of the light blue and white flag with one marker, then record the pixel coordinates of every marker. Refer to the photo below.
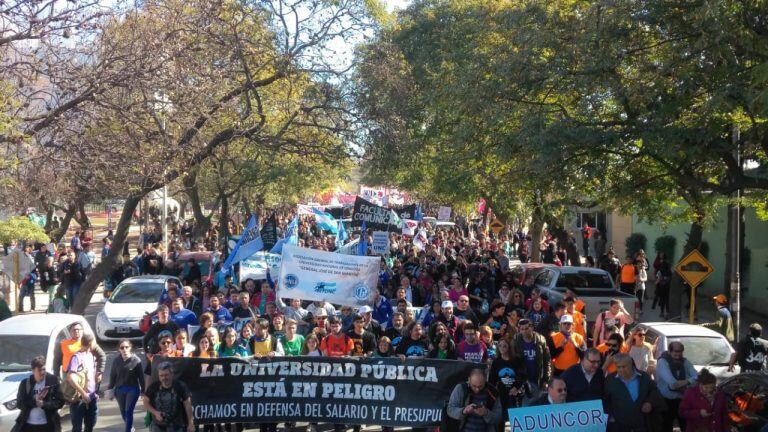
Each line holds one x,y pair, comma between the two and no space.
291,237
325,221
249,243
342,236
363,248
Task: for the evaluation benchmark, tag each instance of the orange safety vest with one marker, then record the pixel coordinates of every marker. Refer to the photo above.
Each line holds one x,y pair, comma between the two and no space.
69,348
569,356
578,322
628,274
603,348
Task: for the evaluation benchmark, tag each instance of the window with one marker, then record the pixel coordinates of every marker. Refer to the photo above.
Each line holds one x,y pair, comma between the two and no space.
19,350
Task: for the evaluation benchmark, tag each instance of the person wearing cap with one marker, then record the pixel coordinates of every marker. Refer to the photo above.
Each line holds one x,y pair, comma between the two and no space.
566,346
449,319
579,319
724,322
369,324
365,341
751,351
319,324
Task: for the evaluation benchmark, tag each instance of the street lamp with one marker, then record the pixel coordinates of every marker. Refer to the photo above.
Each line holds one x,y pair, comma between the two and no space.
163,104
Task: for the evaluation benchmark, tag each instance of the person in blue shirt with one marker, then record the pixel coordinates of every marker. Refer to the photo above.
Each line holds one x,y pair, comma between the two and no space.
182,317
219,312
382,309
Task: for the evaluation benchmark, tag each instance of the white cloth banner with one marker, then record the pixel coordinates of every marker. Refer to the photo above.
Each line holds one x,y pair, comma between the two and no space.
409,227
443,213
255,266
380,244
311,274
350,248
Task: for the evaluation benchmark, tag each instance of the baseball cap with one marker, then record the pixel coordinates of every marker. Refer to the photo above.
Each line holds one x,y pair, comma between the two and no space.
364,310
320,312
447,304
566,319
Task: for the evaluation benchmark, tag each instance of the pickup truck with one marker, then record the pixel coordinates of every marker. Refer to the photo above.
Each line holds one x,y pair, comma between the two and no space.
593,286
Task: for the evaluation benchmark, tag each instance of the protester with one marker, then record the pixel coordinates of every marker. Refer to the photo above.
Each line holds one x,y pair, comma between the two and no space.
150,341
230,346
204,348
126,381
674,375
557,392
475,404
565,346
81,375
472,349
585,380
532,348
168,401
631,399
181,316
39,400
704,407
363,340
641,351
724,323
413,344
613,346
616,315
293,341
509,377
751,351
220,314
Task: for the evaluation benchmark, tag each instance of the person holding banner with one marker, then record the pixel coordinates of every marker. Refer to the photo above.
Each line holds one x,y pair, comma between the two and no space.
169,403
475,404
220,314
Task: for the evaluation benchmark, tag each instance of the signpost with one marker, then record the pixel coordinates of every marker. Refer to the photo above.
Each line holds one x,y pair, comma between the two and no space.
496,226
694,269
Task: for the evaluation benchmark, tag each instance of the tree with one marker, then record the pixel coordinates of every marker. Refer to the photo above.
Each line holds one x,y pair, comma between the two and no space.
21,228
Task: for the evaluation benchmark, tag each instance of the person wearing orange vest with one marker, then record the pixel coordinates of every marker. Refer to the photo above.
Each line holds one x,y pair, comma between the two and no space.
611,347
566,346
628,276
578,304
579,319
71,346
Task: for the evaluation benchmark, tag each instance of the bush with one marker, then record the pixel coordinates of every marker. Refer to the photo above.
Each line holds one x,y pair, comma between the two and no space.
667,245
634,243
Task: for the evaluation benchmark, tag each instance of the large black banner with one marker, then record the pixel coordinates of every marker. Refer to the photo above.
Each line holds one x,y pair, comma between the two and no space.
377,391
407,211
269,232
376,217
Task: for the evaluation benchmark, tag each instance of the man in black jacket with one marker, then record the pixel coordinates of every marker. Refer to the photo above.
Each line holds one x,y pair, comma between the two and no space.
585,380
39,399
632,400
149,343
557,391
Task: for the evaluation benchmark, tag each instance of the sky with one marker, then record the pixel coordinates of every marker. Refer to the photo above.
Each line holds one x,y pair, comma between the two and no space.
392,4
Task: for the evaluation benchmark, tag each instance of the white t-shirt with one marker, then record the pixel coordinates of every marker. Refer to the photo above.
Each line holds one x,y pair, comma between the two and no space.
37,415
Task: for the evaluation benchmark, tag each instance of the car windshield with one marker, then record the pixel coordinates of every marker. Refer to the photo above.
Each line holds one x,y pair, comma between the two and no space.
19,350
703,350
584,280
137,292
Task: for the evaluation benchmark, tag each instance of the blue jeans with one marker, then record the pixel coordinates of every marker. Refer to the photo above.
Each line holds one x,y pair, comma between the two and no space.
72,291
84,414
126,399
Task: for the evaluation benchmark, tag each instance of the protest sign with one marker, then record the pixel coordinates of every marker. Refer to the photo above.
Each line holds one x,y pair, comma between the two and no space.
375,217
380,244
269,233
582,416
311,274
381,391
443,213
255,266
406,212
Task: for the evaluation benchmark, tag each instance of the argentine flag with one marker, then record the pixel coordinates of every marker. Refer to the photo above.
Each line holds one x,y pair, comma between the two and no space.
249,243
342,236
291,237
325,221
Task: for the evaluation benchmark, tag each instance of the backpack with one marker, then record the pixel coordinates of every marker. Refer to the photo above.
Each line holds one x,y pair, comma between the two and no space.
69,391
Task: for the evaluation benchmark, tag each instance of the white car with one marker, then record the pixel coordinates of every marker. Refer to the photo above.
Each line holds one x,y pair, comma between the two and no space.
23,338
703,347
129,302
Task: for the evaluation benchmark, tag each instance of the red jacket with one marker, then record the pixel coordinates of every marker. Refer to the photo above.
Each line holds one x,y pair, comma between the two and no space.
692,404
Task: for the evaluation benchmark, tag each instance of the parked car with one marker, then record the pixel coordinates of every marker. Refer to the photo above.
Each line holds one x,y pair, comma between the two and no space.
524,271
22,338
131,300
703,347
747,395
205,262
593,286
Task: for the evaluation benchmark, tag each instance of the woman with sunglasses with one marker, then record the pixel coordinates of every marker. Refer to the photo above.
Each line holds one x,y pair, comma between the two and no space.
126,382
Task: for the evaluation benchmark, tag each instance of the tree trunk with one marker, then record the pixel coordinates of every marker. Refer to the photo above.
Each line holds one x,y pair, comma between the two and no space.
247,209
82,220
57,234
677,288
224,222
202,222
102,269
48,217
182,209
729,249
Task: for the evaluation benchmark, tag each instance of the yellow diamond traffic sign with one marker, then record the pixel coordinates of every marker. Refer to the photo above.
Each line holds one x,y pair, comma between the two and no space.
496,226
694,268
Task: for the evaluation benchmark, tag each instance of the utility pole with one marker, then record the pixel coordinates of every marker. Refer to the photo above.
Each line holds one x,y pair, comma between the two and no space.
736,244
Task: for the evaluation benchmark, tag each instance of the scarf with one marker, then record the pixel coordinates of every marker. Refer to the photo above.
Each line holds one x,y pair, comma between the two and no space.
677,367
